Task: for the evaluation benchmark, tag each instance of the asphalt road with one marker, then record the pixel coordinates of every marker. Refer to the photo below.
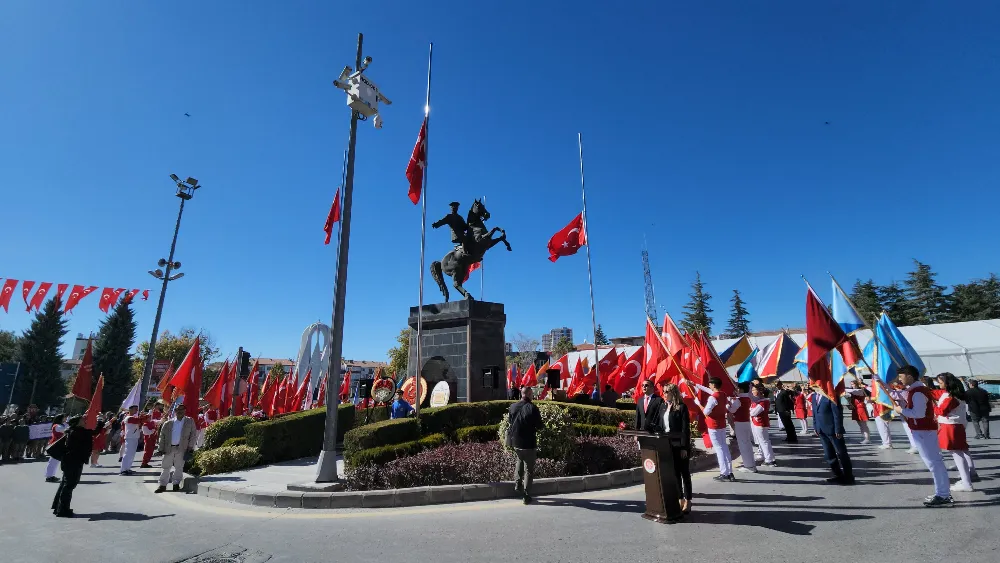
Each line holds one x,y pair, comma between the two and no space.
787,513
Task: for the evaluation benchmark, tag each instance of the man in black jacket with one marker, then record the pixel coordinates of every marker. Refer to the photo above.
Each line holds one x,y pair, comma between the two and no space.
783,408
647,408
79,442
525,422
978,401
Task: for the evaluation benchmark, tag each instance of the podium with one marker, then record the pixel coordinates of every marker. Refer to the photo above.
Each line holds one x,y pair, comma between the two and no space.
662,498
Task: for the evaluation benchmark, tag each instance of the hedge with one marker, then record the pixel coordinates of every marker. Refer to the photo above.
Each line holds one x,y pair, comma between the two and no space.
228,459
240,441
385,433
222,430
295,435
625,405
449,418
385,454
586,414
595,430
479,434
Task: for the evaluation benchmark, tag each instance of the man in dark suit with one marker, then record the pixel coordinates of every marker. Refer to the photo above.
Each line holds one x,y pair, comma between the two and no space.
646,408
828,424
783,408
978,401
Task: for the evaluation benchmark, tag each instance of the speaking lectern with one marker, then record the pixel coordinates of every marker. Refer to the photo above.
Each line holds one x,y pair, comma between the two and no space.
662,498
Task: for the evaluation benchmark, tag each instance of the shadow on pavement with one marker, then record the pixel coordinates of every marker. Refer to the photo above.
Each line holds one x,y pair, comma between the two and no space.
94,482
122,516
637,507
757,498
786,521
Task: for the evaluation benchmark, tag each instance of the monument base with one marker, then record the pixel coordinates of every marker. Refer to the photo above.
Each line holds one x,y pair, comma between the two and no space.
463,345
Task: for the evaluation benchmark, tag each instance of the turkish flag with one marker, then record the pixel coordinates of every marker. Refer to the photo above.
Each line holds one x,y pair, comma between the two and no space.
187,378
81,386
321,396
562,364
530,378
60,289
302,394
228,390
823,334
106,299
568,240
76,295
345,386
214,394
36,301
267,397
672,338
475,266
6,292
714,367
115,295
627,374
417,164
26,290
145,294
332,217
90,417
252,382
131,295
654,351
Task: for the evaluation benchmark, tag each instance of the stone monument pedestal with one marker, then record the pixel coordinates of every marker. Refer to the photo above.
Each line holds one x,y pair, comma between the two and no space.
463,344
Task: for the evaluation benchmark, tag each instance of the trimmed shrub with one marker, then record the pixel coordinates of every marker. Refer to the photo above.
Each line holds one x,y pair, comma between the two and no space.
295,435
384,454
556,436
625,405
592,455
191,466
229,427
447,465
595,430
379,434
587,414
449,418
242,440
478,434
227,459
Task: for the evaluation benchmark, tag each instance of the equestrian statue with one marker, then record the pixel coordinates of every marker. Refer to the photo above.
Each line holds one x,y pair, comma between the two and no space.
471,239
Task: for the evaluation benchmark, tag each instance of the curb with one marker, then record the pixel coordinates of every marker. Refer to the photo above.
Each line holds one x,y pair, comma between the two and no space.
422,496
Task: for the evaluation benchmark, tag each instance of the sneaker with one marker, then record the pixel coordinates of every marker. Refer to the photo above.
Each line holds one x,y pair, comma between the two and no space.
885,447
771,463
975,478
177,488
865,442
160,489
743,469
936,501
912,451
731,478
720,478
145,466
526,500
961,487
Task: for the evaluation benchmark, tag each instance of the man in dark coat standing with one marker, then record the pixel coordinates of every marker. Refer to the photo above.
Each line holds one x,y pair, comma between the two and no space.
525,422
828,424
646,408
783,408
79,442
978,401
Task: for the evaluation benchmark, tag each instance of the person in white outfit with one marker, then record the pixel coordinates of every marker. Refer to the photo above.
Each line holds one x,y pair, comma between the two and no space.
715,411
883,415
132,431
58,429
739,407
761,423
917,407
951,410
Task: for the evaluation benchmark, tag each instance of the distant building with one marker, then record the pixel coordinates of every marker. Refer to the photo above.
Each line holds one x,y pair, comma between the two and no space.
628,341
553,337
80,346
508,348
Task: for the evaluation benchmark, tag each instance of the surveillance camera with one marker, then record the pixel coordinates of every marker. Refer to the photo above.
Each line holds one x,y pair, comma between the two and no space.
368,61
378,121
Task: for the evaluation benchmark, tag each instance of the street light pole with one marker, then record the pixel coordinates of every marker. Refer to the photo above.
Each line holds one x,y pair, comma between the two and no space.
185,191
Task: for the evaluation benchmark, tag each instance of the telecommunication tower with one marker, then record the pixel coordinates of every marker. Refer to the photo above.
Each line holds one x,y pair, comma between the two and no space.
648,278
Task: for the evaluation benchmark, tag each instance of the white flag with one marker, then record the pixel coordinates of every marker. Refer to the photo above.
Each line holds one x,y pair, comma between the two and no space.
133,396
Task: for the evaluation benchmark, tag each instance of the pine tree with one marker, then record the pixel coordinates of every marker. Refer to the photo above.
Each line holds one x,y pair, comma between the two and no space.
112,358
41,383
926,300
600,338
696,317
892,298
564,346
10,344
865,297
977,300
739,324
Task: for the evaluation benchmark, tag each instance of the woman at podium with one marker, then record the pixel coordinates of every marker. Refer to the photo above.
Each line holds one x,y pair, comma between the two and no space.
677,422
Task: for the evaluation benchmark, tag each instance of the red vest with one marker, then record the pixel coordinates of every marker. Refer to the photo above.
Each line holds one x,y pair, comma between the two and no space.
55,434
763,419
742,414
927,421
717,419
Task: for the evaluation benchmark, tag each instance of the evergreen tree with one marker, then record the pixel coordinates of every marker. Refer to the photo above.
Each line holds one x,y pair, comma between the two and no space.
892,298
276,373
600,338
977,300
739,324
926,300
40,382
115,338
865,297
10,344
563,347
696,316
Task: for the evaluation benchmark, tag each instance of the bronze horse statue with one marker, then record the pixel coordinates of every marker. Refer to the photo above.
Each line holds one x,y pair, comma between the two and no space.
475,240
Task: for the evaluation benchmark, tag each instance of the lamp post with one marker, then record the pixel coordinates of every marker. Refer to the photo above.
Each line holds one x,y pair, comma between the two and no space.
185,191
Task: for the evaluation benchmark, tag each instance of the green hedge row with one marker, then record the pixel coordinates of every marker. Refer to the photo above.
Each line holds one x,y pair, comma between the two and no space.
449,418
296,435
587,414
385,433
229,427
625,404
238,441
479,434
385,454
595,430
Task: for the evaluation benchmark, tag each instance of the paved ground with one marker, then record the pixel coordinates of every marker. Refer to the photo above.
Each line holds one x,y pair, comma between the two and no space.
786,514
274,478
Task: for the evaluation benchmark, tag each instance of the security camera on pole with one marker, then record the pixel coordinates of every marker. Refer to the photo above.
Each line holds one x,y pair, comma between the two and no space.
363,97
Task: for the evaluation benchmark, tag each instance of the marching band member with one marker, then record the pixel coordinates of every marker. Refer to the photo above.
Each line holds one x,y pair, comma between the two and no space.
132,432
200,424
883,415
897,395
917,407
58,429
715,411
800,410
856,399
149,432
761,423
739,406
950,410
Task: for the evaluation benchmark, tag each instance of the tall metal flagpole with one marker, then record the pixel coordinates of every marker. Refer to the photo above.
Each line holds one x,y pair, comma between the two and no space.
423,238
590,275
482,270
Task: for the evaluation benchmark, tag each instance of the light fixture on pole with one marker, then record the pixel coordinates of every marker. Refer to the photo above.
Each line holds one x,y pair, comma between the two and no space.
363,97
185,191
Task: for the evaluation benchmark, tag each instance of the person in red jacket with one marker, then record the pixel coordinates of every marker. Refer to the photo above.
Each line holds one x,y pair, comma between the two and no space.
916,404
715,409
760,419
800,410
150,433
950,410
857,402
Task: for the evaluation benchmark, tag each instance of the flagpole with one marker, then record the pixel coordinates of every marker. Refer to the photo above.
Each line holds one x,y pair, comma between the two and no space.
482,273
590,275
875,377
423,239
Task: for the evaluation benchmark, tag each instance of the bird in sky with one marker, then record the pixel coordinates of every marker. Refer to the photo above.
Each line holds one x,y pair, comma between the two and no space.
186,114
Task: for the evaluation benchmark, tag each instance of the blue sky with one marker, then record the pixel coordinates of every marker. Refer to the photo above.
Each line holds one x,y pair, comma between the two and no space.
703,129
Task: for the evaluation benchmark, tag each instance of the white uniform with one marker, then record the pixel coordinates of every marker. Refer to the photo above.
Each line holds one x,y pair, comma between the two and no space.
53,465
744,435
132,435
759,412
926,440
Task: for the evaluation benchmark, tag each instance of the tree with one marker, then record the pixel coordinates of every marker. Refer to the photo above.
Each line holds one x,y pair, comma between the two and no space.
739,324
527,348
977,300
173,348
564,346
10,346
926,301
41,383
115,338
865,297
892,298
696,317
276,373
399,355
600,338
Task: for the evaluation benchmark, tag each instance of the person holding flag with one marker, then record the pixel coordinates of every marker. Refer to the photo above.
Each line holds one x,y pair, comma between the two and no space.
761,422
857,399
132,432
828,425
715,410
740,406
916,405
79,442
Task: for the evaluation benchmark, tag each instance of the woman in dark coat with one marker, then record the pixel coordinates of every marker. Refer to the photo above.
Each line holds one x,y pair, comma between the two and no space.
676,420
79,441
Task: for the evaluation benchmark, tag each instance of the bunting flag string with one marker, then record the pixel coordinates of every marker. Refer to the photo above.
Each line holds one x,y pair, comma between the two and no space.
109,295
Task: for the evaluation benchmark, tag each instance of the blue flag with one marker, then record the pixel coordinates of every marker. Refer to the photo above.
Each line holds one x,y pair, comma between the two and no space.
802,362
885,370
747,373
898,346
844,312
838,368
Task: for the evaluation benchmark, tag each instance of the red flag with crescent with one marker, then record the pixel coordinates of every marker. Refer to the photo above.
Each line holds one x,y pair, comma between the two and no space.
187,378
36,301
106,300
627,375
76,295
131,295
60,290
215,393
6,292
568,240
115,295
321,395
90,417
85,375
26,290
145,294
418,161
